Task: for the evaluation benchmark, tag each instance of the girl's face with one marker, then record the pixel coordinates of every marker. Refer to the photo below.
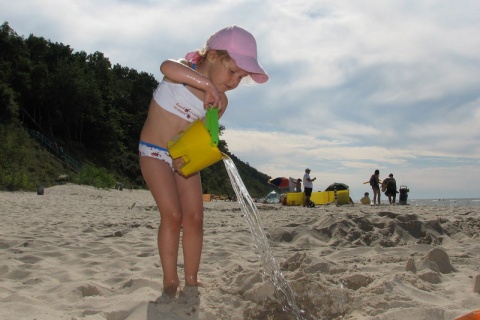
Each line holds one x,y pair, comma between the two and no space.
225,74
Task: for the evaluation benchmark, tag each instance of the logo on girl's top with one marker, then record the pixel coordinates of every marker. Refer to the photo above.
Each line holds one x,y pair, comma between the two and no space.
187,112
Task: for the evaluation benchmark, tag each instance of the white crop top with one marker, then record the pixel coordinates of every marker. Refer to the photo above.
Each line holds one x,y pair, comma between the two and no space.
177,99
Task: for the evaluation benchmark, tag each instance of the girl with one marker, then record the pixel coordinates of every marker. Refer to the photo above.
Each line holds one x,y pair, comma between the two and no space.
189,87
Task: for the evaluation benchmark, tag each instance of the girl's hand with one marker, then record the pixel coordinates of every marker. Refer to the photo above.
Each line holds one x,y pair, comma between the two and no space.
212,98
178,72
178,164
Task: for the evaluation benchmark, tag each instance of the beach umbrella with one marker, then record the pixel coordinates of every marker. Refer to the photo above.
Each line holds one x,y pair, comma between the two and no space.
280,182
340,186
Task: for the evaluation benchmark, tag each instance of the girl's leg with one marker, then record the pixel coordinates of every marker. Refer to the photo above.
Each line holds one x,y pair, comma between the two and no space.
160,180
190,190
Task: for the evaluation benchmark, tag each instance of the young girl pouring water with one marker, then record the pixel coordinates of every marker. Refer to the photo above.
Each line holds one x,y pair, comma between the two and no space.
188,88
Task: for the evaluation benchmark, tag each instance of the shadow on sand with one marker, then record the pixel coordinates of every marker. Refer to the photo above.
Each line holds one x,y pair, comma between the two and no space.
186,306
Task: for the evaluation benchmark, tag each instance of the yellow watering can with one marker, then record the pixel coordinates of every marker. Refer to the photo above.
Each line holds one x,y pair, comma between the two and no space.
197,144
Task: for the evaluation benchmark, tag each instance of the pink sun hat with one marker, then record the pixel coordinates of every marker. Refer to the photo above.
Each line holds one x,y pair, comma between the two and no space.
242,48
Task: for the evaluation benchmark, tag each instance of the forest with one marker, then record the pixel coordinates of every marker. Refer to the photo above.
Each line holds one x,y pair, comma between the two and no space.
71,113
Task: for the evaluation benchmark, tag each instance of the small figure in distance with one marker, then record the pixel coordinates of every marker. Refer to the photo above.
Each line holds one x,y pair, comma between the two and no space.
307,187
366,198
375,184
391,190
295,185
298,185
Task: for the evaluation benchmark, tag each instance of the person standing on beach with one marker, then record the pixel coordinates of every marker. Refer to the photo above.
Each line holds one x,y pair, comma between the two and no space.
391,191
375,184
295,185
298,185
188,88
307,187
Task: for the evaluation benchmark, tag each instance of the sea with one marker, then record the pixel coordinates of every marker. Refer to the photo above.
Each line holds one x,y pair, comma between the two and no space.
460,202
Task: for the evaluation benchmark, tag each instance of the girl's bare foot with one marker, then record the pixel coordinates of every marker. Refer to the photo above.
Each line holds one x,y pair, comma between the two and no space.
171,289
195,283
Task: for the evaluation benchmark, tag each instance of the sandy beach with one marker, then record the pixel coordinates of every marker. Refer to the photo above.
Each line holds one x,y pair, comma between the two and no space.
77,252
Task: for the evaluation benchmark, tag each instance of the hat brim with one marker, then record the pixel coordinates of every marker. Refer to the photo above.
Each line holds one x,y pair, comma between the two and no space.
251,65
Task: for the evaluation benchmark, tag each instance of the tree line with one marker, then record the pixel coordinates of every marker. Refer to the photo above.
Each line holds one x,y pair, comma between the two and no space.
90,108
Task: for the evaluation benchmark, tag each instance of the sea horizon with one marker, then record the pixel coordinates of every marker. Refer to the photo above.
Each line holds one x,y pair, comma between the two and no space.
442,202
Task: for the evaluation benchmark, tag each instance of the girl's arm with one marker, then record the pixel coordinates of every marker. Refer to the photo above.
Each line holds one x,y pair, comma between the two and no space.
178,72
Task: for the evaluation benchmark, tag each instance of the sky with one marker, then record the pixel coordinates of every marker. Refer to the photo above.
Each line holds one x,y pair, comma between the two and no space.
354,86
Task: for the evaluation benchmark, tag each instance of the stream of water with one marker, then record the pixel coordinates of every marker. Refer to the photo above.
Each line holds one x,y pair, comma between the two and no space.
270,266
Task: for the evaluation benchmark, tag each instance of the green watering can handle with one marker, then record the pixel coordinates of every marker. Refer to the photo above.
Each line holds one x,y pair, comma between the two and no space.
211,122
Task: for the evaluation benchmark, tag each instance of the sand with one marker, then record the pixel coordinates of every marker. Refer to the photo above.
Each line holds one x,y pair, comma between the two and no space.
77,252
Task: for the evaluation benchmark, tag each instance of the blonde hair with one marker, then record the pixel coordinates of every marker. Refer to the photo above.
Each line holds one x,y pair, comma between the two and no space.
223,54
